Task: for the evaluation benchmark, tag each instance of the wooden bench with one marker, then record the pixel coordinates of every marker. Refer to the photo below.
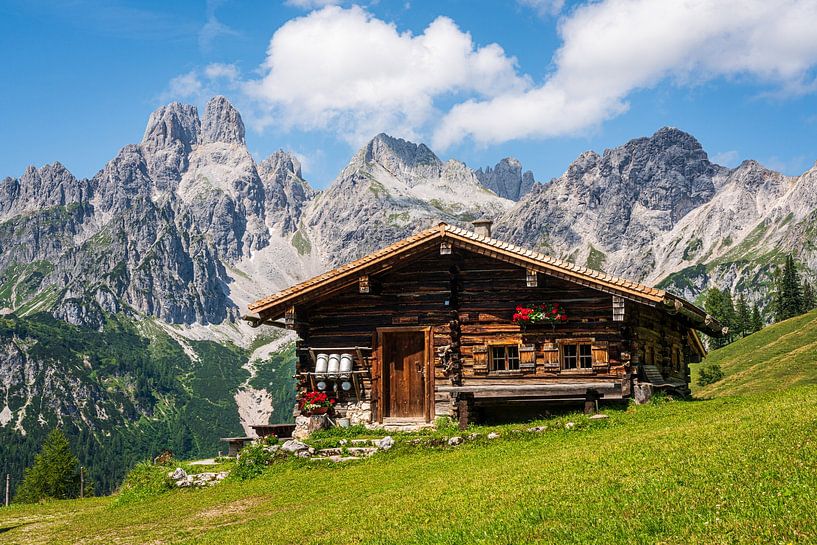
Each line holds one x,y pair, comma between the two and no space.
235,444
469,396
276,430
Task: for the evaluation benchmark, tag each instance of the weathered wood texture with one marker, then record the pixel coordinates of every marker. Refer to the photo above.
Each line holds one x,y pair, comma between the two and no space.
403,373
468,300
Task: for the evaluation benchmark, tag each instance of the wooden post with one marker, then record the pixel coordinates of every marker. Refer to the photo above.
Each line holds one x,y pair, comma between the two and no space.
81,482
465,406
8,477
591,401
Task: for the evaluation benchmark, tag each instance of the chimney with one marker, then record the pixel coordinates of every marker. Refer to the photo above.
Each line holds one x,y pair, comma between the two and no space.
482,227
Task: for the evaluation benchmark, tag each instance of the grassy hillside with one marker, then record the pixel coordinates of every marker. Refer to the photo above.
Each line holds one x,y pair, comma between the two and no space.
777,357
727,470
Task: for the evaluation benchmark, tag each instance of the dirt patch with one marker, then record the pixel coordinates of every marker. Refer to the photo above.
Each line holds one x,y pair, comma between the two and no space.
238,506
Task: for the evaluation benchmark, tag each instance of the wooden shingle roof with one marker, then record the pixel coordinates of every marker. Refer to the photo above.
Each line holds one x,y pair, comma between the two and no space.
275,305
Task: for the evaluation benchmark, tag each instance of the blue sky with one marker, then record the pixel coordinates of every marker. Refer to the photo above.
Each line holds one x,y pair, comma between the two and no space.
541,80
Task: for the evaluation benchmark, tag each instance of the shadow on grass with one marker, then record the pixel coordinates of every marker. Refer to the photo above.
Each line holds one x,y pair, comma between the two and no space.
4,529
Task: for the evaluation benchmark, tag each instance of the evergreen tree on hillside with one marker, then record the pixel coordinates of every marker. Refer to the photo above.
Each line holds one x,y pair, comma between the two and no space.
55,473
789,298
757,319
809,298
777,296
718,303
743,317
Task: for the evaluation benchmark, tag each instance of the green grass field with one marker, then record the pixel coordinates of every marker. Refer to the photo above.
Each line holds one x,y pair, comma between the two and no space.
777,357
738,467
726,470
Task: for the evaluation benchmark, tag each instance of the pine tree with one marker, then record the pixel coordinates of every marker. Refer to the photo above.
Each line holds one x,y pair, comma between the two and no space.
809,298
777,296
757,320
719,304
54,474
791,290
743,317
729,316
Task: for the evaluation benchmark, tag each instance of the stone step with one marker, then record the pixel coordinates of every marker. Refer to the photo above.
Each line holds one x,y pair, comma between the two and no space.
335,459
364,441
653,374
361,451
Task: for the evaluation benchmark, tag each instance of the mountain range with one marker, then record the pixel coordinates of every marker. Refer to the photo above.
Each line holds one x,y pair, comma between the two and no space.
121,294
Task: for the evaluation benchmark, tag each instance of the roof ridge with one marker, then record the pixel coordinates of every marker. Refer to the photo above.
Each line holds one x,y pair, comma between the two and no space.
469,237
551,260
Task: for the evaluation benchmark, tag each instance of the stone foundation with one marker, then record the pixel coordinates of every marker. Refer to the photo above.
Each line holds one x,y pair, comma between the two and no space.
358,412
305,425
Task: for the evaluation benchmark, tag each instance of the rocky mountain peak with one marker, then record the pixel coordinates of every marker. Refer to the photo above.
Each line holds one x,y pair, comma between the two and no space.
279,161
222,122
170,135
506,179
396,153
171,124
45,187
285,191
667,137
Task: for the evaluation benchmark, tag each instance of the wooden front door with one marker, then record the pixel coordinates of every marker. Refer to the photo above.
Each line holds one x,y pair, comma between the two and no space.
404,374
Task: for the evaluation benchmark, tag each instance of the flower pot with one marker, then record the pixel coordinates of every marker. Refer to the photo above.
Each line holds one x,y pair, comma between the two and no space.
317,411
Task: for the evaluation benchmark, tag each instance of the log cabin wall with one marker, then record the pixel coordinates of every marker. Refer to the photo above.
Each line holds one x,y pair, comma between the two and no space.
468,301
412,296
662,341
491,292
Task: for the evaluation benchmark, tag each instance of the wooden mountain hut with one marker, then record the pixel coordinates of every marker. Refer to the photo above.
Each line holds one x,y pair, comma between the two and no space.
451,322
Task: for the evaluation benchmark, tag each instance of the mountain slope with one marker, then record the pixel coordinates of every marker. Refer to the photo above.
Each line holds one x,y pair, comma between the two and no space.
658,211
778,357
738,470
390,189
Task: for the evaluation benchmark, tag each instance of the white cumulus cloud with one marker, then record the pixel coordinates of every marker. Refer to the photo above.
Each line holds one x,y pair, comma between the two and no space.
311,4
543,7
347,70
614,47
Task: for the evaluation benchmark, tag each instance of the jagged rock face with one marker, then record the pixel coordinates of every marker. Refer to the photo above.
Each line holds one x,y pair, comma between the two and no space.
285,191
225,198
170,135
617,203
34,387
391,189
37,189
152,231
124,181
656,210
222,123
506,179
410,162
186,227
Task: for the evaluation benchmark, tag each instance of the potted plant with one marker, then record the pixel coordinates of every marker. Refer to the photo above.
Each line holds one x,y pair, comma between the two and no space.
543,313
315,402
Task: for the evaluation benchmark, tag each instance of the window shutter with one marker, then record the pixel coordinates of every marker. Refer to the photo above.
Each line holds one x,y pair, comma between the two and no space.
618,308
480,359
600,355
527,357
550,351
